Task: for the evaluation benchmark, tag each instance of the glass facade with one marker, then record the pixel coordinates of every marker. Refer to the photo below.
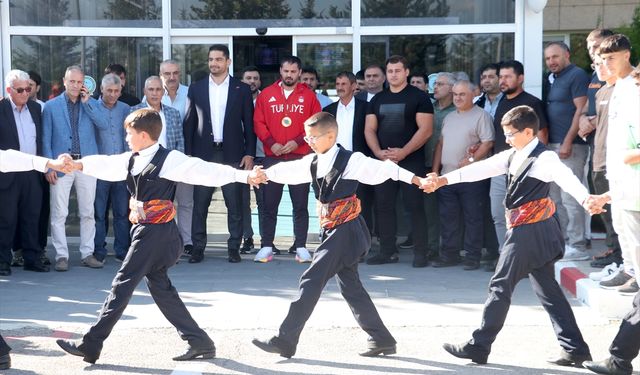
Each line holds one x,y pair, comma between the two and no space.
260,13
329,59
436,12
86,13
440,53
50,56
322,33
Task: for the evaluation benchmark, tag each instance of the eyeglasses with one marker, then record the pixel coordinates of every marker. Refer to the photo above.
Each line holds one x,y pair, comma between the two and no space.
20,90
312,139
511,135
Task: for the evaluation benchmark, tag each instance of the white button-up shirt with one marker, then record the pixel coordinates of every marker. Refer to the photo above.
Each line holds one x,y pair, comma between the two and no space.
344,117
218,104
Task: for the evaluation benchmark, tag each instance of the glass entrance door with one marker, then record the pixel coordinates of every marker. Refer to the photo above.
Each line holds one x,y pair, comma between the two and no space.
264,52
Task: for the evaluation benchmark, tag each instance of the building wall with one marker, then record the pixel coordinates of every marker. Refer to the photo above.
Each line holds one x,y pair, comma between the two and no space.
569,15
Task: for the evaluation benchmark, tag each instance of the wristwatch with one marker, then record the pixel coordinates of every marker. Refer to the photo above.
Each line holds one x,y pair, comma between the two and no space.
471,159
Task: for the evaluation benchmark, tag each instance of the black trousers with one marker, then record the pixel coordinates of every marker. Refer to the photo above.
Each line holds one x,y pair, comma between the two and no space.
366,195
4,347
271,196
532,250
20,210
154,249
600,186
385,198
626,344
462,207
338,256
232,194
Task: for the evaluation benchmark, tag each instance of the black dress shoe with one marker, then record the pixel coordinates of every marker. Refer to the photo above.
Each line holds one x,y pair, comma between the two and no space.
197,255
247,246
374,349
467,351
73,349
234,256
207,352
5,361
382,259
188,250
275,250
420,261
569,359
441,263
470,265
5,269
292,249
36,267
275,345
609,367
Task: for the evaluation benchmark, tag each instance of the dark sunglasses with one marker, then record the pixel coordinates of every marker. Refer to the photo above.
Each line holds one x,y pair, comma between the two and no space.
20,90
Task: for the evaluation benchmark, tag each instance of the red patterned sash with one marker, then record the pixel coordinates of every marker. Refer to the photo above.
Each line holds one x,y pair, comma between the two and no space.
339,211
156,211
531,212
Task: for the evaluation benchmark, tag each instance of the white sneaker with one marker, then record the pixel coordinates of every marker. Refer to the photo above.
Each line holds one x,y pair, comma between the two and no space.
264,255
612,275
571,253
607,271
302,255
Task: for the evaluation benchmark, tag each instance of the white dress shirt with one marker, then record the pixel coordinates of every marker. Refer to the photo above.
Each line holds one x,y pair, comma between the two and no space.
218,104
364,169
16,161
547,168
177,167
163,133
344,117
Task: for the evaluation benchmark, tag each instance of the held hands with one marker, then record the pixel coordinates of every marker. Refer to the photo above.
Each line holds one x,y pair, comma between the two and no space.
64,164
257,177
432,182
595,203
287,148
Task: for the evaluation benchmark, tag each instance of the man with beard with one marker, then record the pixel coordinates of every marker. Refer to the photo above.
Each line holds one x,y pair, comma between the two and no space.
511,75
281,110
251,76
490,85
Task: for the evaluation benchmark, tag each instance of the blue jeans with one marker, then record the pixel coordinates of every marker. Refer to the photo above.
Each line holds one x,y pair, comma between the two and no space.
115,193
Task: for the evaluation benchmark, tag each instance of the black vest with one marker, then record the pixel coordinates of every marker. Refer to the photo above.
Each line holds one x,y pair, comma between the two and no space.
149,185
522,188
332,187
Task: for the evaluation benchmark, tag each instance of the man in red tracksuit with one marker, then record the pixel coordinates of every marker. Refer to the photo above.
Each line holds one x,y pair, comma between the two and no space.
279,116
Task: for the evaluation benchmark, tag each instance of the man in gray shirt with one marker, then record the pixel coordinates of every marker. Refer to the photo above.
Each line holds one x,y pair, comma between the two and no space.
469,127
566,97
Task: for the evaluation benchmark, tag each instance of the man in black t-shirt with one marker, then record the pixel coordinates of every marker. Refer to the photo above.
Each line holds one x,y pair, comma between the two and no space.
511,76
399,122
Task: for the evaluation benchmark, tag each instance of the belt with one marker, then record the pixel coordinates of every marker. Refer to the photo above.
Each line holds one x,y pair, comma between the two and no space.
75,156
217,144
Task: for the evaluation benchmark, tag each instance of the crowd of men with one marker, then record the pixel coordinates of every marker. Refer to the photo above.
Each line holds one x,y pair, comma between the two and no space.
383,112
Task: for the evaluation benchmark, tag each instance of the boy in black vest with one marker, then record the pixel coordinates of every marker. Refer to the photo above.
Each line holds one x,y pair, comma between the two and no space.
334,174
534,241
151,172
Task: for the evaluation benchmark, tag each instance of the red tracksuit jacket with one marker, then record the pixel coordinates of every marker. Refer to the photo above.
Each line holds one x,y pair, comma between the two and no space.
279,120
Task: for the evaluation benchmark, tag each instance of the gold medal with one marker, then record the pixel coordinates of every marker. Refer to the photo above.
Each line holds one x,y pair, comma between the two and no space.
286,121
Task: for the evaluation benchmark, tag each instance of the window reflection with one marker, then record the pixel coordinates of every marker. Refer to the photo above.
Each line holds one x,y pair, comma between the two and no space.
329,59
437,12
50,55
105,13
260,13
440,53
